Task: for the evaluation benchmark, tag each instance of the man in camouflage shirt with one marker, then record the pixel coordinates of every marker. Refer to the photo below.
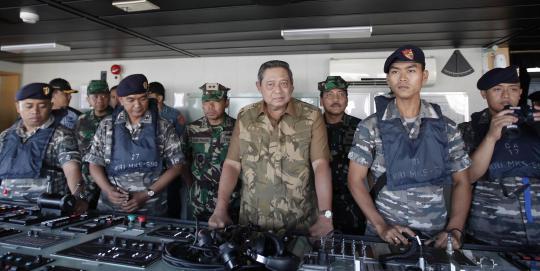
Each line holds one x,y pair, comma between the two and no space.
37,150
280,148
340,128
98,99
174,190
418,151
135,153
206,143
506,166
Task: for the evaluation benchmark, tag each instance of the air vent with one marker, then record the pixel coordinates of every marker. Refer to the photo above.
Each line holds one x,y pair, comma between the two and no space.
369,82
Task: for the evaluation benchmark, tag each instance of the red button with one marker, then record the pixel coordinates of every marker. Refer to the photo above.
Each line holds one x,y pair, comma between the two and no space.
141,218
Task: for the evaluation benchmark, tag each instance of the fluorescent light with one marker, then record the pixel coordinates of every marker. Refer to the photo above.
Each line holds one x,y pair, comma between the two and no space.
533,69
327,33
135,5
34,48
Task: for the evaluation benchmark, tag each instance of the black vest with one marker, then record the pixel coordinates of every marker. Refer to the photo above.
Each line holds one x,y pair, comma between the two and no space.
413,162
130,155
512,157
20,160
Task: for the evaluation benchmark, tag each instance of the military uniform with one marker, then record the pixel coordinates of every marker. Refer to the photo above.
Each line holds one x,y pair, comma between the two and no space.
46,148
68,115
175,118
135,156
278,190
206,147
347,215
422,207
86,128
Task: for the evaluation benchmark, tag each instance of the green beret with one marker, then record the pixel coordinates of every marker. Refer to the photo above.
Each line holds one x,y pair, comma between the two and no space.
96,87
213,91
332,82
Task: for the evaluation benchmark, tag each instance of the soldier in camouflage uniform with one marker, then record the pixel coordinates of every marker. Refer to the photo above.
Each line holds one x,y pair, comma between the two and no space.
340,128
280,149
177,120
206,143
506,169
98,98
61,97
135,153
37,150
419,151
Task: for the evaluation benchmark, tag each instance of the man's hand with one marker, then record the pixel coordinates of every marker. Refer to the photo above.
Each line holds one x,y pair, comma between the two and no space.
500,120
117,195
322,227
219,219
393,234
136,202
442,238
80,207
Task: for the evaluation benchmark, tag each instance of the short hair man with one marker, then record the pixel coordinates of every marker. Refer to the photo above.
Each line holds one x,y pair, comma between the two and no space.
206,144
114,98
340,127
414,152
37,153
156,91
98,99
135,153
61,97
506,200
276,145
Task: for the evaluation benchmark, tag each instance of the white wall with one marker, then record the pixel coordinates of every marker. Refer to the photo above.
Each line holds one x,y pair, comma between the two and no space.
239,72
10,67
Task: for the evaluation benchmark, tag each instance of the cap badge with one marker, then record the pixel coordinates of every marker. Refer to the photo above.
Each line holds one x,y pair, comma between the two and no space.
145,85
408,53
46,91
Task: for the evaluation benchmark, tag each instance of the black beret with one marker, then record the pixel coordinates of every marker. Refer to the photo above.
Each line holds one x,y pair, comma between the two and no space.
407,53
497,76
535,95
133,84
39,91
156,87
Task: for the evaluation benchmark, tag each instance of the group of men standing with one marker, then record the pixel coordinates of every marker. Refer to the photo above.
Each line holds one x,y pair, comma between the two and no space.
285,165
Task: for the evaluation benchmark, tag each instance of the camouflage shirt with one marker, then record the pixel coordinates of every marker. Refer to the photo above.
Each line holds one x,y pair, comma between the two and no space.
86,128
278,190
169,148
61,149
420,208
175,118
495,218
348,217
206,147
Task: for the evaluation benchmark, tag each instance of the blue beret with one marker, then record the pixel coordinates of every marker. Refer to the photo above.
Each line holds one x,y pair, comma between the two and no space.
497,76
133,84
39,91
407,53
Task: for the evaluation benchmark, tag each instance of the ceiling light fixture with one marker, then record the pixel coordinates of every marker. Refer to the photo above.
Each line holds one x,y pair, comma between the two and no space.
34,48
352,32
135,5
28,16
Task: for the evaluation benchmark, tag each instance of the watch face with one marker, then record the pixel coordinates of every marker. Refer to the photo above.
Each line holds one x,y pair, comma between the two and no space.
328,214
150,193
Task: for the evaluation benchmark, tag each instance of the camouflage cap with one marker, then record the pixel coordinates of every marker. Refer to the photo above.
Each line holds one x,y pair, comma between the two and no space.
96,87
213,91
332,82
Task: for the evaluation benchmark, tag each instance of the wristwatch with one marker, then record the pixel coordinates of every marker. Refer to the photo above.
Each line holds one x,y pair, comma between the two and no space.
150,193
326,213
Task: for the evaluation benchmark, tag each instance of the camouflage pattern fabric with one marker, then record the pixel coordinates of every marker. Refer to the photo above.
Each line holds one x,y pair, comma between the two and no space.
205,148
71,117
86,128
278,191
176,119
169,148
61,149
420,208
495,218
348,217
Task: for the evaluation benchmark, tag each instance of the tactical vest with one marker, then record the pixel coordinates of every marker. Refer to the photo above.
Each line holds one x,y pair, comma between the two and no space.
512,157
414,162
24,160
135,155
